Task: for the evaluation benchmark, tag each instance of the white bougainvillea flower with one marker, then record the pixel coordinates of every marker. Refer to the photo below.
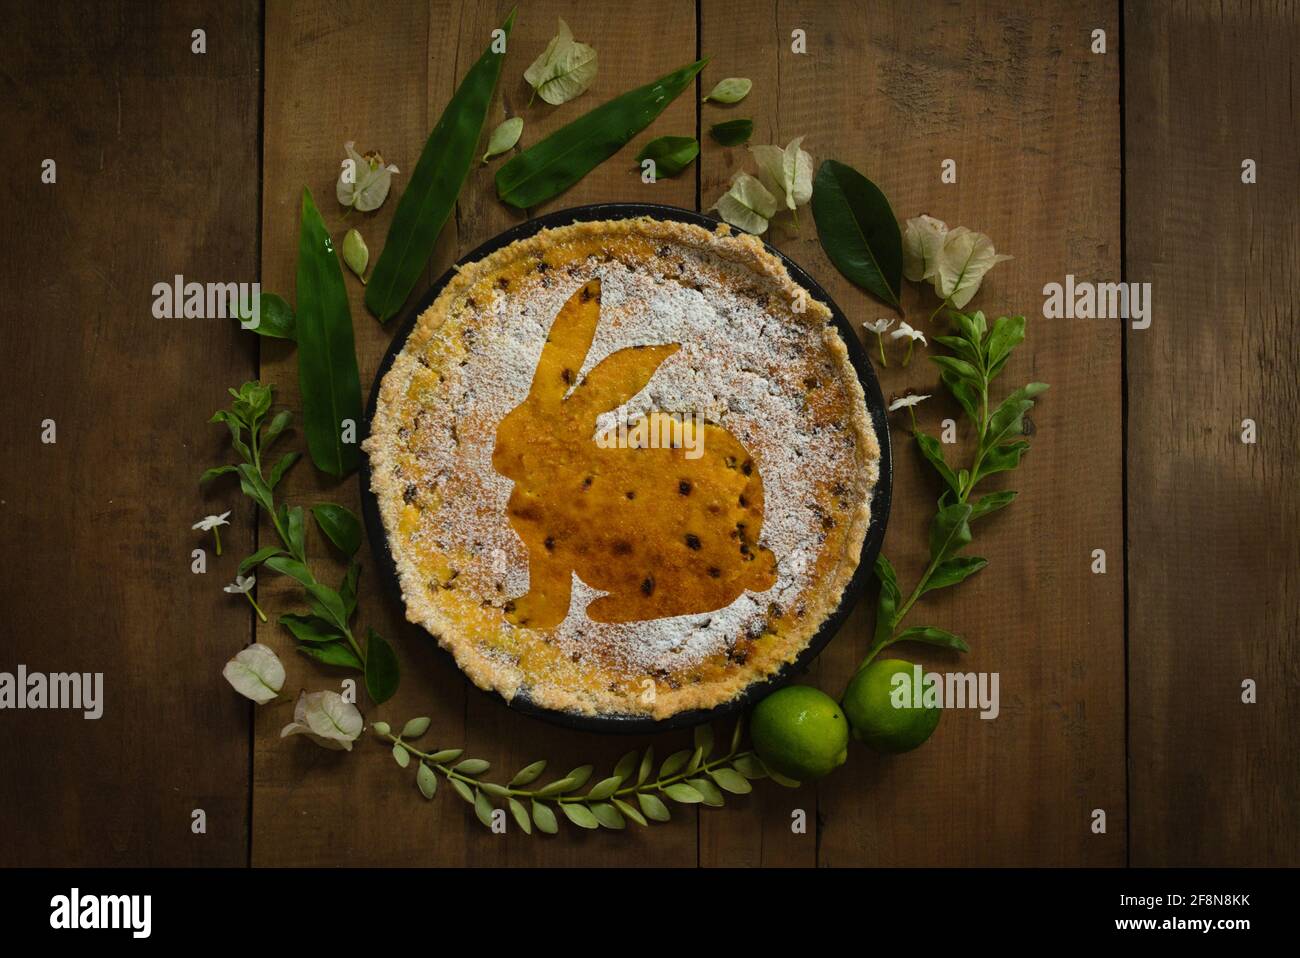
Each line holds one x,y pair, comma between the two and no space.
787,173
747,205
255,673
922,240
364,180
879,327
962,262
243,585
564,70
326,719
904,402
905,331
213,524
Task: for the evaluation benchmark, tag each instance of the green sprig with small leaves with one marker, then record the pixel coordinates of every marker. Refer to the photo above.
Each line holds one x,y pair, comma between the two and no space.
324,631
978,357
634,790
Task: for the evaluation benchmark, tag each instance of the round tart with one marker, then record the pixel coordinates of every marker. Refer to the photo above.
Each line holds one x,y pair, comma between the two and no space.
625,467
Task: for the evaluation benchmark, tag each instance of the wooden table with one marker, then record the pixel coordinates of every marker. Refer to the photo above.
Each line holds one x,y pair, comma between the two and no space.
1120,691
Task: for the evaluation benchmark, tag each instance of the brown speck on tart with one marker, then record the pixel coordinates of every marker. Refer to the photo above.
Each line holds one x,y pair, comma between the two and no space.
714,572
549,543
648,585
621,547
684,487
692,541
409,493
631,493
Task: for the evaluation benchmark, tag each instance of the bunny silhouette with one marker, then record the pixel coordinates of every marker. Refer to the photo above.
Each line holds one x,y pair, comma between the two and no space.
662,534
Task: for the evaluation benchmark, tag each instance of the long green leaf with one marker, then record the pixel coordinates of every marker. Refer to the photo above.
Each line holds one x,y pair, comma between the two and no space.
382,671
858,230
550,167
431,192
327,356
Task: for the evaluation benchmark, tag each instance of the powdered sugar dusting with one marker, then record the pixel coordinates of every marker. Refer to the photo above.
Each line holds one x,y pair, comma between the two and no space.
742,364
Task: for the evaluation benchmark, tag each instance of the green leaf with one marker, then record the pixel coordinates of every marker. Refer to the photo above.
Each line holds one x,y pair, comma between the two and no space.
291,567
954,570
990,503
736,734
750,767
257,558
961,369
520,814
558,787
674,763
671,154
1008,419
327,359
929,635
296,526
1002,458
580,815
333,653
472,766
604,788
962,347
653,807
890,597
504,137
630,812
627,766
400,755
348,588
446,755
494,790
340,525
310,628
426,780
431,192
950,530
858,230
382,671
214,472
356,254
255,487
274,317
968,397
381,728
483,808
731,780
550,167
608,815
933,453
681,792
1008,333
415,727
730,90
709,793
732,132
528,774
704,739
463,790
647,763
544,818
782,780
282,465
580,775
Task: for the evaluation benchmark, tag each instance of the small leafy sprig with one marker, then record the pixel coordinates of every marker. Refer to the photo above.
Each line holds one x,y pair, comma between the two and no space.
979,355
324,632
689,777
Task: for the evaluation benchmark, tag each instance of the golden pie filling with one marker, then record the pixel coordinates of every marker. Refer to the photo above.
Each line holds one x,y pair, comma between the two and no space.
625,467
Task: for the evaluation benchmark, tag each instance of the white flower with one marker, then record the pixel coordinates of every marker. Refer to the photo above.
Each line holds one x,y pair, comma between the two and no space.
255,673
364,180
906,401
242,585
211,522
954,261
747,204
326,719
564,70
879,326
905,331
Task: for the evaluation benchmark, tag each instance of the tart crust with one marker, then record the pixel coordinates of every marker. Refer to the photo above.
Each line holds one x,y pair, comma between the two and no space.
762,356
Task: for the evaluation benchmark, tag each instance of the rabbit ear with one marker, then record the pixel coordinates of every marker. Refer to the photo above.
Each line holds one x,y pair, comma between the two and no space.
618,377
567,344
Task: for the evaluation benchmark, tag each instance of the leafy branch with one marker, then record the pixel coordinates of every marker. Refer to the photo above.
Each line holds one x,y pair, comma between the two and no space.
979,355
324,632
688,777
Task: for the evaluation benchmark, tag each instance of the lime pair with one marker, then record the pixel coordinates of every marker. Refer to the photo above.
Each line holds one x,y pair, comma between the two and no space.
803,733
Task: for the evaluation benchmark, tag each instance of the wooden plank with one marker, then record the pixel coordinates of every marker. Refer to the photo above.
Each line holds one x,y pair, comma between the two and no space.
1031,117
156,152
366,72
1213,523
619,34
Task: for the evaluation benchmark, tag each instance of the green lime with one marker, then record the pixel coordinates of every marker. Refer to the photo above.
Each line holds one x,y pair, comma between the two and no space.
869,702
800,732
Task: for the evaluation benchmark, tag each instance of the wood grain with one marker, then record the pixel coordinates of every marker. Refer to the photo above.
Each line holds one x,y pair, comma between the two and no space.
1214,524
156,152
